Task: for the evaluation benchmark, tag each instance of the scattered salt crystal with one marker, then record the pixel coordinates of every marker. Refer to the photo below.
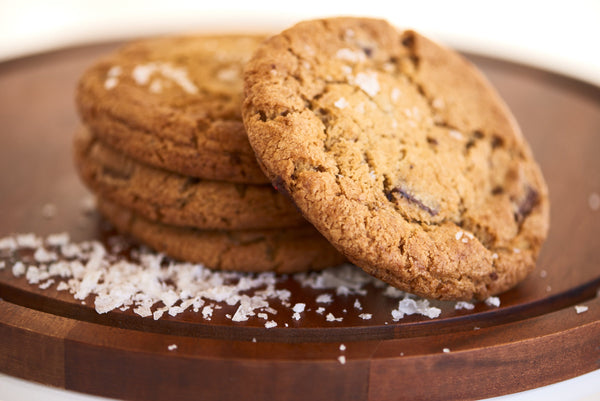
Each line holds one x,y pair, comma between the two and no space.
88,204
476,328
141,73
543,273
299,307
112,79
114,71
458,235
262,315
342,359
393,292
28,241
156,86
494,255
464,305
270,324
2,264
493,301
357,304
353,56
367,81
409,306
516,250
207,312
172,347
324,299
8,243
548,288
110,83
395,95
43,256
342,347
18,269
253,339
446,350
57,239
320,310
296,316
456,134
594,201
581,308
331,318
365,316
46,284
341,103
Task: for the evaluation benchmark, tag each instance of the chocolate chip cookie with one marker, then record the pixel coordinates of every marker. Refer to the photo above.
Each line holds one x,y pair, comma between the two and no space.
174,102
279,250
400,153
174,199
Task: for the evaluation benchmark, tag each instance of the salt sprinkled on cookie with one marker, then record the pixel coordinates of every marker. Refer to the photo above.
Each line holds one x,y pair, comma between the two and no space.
367,81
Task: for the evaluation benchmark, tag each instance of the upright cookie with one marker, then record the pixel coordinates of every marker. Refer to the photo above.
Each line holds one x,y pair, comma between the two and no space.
175,103
279,250
400,153
171,198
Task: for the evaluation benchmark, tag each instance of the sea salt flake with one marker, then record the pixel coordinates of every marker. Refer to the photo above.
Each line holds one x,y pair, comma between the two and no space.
270,324
299,307
331,318
458,235
341,103
353,56
262,315
8,243
365,316
18,269
446,350
42,255
324,299
342,359
342,347
172,347
28,241
464,305
581,308
493,301
57,239
357,304
395,95
409,306
456,134
367,81
320,310
494,255
46,284
543,273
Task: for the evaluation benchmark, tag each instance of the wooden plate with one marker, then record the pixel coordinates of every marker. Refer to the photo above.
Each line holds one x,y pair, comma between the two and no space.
534,338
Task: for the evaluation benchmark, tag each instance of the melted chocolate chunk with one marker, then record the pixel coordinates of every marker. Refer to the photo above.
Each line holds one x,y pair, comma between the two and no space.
527,204
404,194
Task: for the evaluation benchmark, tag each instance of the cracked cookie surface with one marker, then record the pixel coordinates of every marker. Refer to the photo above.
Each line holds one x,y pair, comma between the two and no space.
287,250
400,153
170,198
174,102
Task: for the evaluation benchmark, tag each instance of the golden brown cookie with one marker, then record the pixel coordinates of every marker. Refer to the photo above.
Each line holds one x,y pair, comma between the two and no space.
171,198
174,102
287,250
400,153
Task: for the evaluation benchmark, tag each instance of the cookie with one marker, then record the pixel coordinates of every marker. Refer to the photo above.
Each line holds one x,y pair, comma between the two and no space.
174,199
175,103
278,250
400,153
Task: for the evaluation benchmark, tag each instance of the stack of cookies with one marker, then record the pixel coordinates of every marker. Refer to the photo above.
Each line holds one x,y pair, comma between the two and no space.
396,149
163,148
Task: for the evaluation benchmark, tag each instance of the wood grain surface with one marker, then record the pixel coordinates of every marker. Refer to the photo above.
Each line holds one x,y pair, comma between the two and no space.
534,338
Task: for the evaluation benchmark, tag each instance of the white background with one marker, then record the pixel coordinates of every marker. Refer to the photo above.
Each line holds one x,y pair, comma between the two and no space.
562,36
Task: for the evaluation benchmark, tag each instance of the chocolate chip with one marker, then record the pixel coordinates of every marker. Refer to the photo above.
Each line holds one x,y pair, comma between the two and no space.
497,142
368,51
494,276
